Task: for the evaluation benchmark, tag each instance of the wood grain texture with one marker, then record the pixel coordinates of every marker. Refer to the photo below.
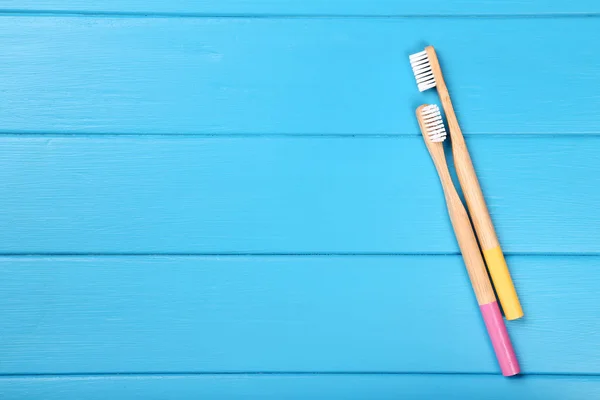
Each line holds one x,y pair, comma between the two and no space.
301,387
311,7
286,314
286,195
292,75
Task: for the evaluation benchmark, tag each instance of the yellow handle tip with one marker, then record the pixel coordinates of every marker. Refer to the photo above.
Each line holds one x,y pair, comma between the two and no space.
503,283
513,310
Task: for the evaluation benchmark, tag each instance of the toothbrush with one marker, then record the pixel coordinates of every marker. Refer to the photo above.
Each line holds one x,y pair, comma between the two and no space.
428,74
434,133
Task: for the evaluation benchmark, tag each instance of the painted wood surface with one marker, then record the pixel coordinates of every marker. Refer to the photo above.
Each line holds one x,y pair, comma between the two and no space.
301,387
145,142
311,7
402,314
286,195
293,75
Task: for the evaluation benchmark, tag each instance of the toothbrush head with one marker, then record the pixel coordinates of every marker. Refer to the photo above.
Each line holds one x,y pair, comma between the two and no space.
421,66
432,126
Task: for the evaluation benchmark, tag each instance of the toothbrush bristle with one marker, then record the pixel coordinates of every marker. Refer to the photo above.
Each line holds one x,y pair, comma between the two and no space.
432,121
422,69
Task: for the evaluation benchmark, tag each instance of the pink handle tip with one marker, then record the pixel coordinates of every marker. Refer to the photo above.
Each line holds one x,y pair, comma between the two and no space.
500,339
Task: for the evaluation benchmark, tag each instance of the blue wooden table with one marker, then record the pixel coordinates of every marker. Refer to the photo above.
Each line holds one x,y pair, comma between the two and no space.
230,199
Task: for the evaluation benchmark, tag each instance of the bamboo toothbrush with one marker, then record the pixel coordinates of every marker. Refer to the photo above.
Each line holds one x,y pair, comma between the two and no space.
428,74
434,133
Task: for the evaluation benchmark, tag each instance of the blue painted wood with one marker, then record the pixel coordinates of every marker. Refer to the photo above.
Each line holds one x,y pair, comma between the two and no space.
293,76
64,315
286,195
311,7
150,67
302,387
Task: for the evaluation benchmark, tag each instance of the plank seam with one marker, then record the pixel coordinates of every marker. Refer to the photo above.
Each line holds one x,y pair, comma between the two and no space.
363,135
141,14
272,373
307,254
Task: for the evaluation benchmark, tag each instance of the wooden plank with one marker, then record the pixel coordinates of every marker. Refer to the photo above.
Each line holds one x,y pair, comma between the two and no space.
310,7
154,195
302,387
292,75
286,314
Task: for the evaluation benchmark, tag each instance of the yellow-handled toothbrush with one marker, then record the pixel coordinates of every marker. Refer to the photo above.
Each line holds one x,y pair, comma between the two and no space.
428,74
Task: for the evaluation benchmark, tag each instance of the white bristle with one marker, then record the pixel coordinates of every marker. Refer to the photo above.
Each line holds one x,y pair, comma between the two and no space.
432,121
422,70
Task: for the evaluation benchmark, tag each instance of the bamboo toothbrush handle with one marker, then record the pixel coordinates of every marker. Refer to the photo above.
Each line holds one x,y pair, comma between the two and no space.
433,131
481,218
466,240
475,202
479,280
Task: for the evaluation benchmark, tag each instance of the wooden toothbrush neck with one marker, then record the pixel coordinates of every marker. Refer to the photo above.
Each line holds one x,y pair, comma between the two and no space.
441,165
453,126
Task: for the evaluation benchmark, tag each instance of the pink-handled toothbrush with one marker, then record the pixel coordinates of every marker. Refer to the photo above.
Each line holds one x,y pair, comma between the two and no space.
434,133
